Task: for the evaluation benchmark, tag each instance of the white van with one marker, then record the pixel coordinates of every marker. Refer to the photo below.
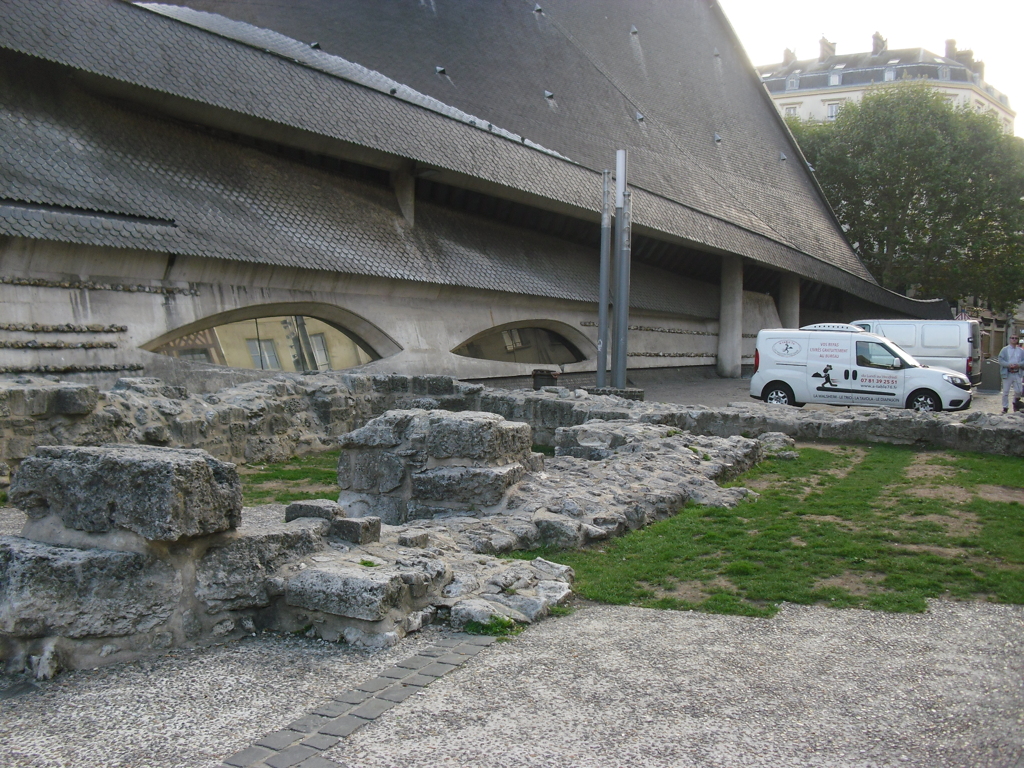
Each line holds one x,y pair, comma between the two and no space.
953,344
840,364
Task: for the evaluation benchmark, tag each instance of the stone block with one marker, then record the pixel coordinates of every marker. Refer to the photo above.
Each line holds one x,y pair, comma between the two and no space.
557,530
360,530
390,509
46,590
477,436
75,399
413,539
355,593
235,575
483,486
386,431
372,471
162,494
322,508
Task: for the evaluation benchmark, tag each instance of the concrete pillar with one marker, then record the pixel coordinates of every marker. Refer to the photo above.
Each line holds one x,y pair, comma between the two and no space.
403,181
730,319
789,300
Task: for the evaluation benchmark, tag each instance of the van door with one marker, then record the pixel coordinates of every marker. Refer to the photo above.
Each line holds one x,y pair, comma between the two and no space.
878,375
829,366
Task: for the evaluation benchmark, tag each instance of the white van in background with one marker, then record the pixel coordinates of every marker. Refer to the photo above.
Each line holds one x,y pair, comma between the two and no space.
840,364
953,344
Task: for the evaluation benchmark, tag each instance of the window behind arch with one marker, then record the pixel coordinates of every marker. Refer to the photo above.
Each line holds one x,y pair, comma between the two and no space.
522,345
280,343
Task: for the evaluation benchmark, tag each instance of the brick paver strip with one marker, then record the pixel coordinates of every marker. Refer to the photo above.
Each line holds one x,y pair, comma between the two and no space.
375,684
342,726
309,723
373,708
353,697
247,757
289,757
396,673
415,662
398,693
350,710
436,669
279,739
420,681
318,761
321,741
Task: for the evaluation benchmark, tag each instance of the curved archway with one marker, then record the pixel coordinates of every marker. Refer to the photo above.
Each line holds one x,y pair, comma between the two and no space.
544,342
281,336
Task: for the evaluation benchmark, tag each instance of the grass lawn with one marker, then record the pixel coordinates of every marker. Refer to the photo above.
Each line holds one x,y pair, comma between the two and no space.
314,476
875,526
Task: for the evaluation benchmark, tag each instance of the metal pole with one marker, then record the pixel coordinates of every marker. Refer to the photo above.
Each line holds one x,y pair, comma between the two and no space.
621,304
603,287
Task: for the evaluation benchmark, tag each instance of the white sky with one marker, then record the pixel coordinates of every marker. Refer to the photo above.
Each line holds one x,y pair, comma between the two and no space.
993,29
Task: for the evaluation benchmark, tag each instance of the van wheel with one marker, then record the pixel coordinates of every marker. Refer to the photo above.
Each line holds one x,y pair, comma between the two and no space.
924,400
779,394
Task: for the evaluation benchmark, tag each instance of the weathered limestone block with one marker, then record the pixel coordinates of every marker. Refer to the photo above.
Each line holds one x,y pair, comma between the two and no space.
77,593
483,486
355,593
558,530
233,573
477,437
322,508
360,530
162,494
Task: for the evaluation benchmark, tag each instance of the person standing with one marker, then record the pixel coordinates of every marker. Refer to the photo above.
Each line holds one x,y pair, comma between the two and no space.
1011,360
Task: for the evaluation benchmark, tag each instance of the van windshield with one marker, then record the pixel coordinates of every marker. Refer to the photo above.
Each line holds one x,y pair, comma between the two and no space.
908,360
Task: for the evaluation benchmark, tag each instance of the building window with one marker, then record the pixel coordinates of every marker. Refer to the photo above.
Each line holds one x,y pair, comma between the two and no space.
793,82
511,339
943,73
791,111
264,354
835,78
832,110
890,74
318,342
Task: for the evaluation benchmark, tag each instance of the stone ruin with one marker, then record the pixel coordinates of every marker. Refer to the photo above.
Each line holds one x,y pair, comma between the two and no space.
137,547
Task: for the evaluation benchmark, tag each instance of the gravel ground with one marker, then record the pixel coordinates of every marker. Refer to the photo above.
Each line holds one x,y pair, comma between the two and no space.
606,686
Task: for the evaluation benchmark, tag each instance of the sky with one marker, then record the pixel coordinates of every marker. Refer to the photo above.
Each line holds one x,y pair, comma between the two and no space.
993,29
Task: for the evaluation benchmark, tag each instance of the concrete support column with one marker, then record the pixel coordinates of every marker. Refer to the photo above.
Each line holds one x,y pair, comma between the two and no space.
789,300
730,319
403,181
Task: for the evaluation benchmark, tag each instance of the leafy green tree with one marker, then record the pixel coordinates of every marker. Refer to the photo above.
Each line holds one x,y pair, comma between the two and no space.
931,197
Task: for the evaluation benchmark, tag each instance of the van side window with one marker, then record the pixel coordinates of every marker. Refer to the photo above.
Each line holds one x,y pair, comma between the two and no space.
871,354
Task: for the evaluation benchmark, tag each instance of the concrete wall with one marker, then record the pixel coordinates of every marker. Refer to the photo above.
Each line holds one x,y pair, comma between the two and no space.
92,313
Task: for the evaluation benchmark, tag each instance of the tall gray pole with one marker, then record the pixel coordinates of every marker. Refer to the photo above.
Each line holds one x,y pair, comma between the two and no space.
622,259
605,278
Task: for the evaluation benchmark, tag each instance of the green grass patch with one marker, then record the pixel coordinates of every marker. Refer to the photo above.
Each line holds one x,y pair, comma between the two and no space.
874,527
547,450
497,626
313,476
3,497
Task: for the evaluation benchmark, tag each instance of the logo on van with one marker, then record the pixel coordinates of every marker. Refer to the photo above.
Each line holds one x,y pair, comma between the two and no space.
786,348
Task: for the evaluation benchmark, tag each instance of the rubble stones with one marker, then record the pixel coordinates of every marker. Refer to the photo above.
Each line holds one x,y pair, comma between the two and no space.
357,593
322,508
162,494
363,530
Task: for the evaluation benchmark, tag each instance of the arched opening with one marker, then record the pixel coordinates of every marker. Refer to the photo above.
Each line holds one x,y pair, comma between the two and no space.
532,342
280,337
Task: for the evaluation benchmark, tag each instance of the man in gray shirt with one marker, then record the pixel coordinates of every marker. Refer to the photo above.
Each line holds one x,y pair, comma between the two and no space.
1011,361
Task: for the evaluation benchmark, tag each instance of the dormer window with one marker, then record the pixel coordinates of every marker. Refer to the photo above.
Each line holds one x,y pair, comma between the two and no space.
890,74
835,78
944,73
792,82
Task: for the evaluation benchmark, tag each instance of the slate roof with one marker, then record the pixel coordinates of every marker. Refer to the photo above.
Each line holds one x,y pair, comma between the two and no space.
107,168
683,70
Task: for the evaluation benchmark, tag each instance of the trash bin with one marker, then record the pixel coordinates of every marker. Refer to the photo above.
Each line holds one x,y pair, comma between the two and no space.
544,378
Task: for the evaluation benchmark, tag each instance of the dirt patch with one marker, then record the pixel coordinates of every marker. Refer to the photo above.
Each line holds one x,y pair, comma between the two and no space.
1003,493
690,591
922,466
846,524
762,483
950,493
961,524
940,551
858,584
